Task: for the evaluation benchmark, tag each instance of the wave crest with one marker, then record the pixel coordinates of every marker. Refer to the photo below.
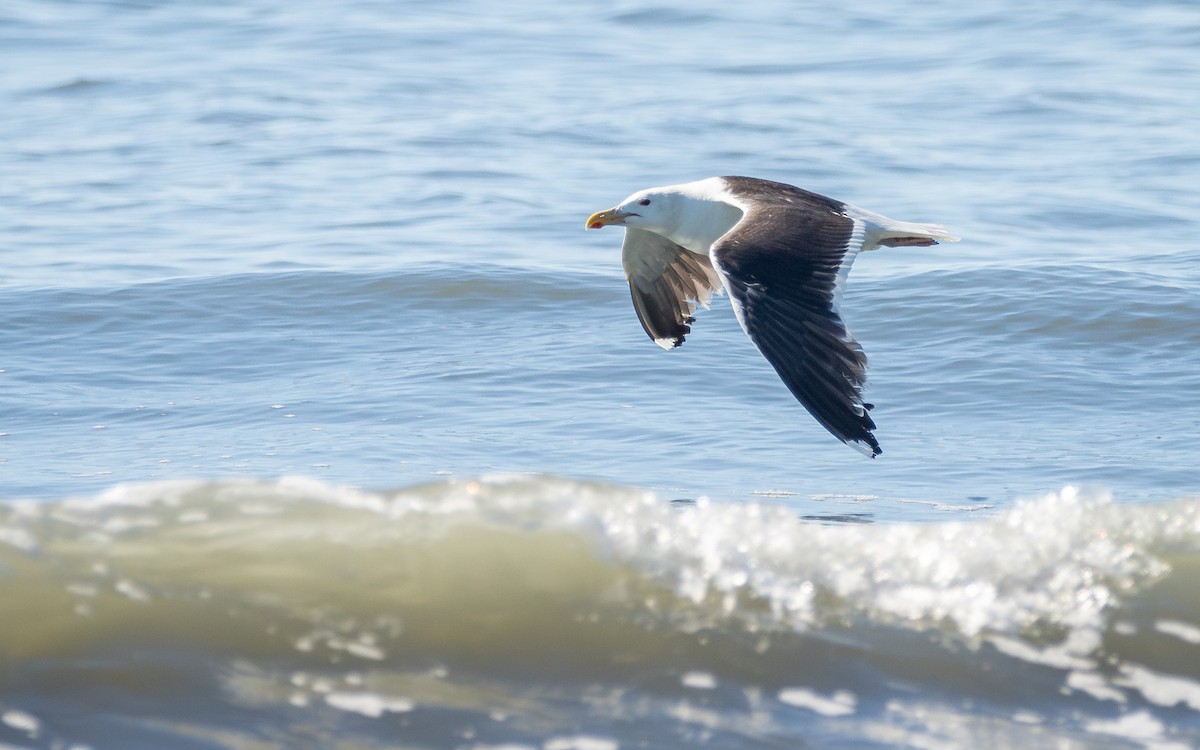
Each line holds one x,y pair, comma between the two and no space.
390,603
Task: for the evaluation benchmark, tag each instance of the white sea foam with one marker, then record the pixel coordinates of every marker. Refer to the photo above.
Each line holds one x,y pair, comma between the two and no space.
368,704
477,584
22,721
580,742
1181,630
841,703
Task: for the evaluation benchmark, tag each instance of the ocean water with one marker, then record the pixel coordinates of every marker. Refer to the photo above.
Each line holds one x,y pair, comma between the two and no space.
324,424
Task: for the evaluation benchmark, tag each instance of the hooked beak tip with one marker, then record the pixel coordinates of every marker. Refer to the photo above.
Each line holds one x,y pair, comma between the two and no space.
605,218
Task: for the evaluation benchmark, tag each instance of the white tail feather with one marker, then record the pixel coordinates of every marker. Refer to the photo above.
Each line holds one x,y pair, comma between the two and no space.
880,228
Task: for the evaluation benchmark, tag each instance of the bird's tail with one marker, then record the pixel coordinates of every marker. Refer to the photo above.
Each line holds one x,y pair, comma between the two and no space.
910,234
880,230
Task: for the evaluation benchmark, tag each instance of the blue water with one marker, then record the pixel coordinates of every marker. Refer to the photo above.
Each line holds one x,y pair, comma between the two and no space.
251,240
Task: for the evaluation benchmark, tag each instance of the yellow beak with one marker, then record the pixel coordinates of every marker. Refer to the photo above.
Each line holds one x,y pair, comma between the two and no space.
606,217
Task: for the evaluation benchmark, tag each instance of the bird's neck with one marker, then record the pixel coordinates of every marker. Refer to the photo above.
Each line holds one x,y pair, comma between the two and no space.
702,222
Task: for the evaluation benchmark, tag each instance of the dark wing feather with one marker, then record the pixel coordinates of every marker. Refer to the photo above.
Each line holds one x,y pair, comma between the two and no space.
666,283
783,263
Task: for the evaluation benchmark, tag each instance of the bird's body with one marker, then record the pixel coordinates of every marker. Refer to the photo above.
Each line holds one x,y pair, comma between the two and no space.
782,253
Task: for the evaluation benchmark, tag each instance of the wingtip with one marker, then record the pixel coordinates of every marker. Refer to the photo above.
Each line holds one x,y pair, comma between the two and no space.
867,446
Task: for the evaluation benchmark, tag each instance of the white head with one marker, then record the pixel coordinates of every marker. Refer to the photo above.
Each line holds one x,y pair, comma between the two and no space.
655,209
693,215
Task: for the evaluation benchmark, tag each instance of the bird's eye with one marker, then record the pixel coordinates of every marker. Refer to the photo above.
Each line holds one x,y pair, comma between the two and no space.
644,202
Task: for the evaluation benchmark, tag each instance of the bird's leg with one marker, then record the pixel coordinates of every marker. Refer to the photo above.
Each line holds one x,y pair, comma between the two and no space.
908,241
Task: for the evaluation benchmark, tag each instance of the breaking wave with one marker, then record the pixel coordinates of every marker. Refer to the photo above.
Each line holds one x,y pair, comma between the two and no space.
500,611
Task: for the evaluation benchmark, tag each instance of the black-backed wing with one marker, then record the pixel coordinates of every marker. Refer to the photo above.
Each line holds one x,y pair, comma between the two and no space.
666,283
784,264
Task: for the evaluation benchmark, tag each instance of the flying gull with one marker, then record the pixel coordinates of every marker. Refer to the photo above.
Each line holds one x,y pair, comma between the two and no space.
783,254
